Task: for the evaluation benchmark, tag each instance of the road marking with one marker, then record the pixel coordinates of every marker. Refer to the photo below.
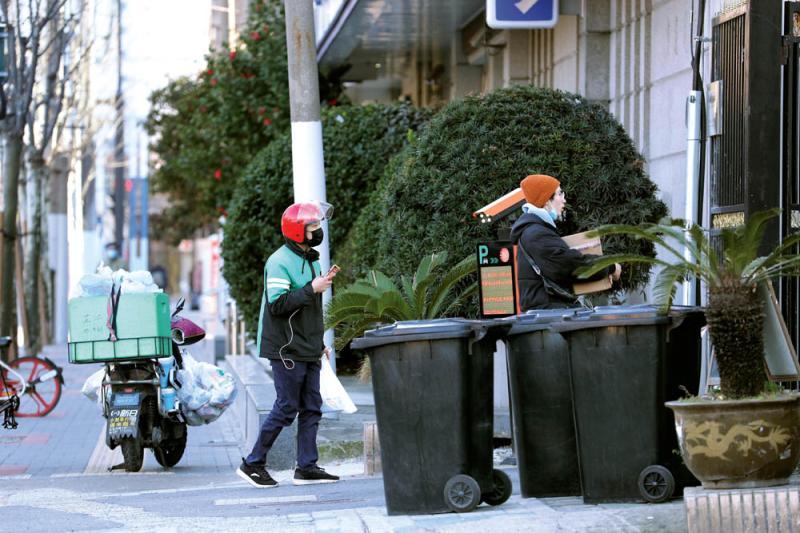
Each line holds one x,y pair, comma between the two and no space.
12,470
36,438
103,457
23,476
114,473
232,485
266,501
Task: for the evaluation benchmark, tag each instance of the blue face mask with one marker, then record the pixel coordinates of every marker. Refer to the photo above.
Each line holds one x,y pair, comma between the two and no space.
553,214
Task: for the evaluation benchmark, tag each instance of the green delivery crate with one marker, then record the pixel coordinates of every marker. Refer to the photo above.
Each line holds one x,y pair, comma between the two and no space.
143,328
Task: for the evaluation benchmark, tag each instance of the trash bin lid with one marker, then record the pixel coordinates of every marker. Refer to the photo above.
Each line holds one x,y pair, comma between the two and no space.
535,320
611,315
418,330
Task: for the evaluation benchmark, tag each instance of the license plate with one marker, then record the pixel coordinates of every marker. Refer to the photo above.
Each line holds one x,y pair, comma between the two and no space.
125,399
123,418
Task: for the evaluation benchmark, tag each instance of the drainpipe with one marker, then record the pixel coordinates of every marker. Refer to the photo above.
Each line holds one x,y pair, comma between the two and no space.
695,152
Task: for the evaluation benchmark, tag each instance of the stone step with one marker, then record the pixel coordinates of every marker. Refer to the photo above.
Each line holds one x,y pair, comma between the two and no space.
771,509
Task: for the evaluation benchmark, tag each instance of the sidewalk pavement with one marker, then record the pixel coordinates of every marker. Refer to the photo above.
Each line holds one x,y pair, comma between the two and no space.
54,476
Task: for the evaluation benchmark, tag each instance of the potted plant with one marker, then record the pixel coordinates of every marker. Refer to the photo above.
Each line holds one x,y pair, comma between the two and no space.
377,299
746,434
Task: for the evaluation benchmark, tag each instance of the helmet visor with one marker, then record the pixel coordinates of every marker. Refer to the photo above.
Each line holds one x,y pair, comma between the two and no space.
314,211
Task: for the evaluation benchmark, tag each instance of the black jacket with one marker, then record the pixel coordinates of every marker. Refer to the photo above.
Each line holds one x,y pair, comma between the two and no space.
291,312
555,259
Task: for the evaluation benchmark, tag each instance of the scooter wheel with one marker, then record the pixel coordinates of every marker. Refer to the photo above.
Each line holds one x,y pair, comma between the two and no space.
169,452
133,454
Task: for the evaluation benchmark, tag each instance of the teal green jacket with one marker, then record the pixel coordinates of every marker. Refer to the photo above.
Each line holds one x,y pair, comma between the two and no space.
291,324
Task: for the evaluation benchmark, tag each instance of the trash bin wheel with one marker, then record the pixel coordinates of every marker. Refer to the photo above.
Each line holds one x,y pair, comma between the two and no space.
501,489
462,493
656,484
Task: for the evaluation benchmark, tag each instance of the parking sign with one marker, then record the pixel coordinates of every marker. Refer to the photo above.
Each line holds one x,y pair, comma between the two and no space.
521,14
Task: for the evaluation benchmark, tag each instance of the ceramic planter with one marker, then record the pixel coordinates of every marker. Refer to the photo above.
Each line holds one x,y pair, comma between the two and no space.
739,443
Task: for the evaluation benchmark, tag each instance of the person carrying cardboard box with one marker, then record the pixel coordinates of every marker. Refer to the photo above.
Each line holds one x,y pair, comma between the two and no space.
546,264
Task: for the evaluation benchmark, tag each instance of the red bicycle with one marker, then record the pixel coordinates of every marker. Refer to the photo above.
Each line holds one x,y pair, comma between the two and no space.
31,386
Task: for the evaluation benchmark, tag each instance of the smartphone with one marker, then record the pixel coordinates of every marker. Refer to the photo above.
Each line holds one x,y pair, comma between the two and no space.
333,271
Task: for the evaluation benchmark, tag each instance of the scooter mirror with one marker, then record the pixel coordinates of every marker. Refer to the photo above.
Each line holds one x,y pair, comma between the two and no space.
179,306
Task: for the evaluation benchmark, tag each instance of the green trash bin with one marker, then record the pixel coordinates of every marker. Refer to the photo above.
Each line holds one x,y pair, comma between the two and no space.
625,362
432,382
541,406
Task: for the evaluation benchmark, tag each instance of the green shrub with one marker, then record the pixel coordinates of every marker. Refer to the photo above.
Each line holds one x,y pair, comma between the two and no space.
207,129
358,142
478,149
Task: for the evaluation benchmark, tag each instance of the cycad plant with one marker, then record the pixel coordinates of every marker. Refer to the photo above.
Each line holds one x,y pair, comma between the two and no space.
735,313
377,299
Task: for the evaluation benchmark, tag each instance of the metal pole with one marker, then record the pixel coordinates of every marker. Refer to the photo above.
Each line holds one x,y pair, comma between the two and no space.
694,151
307,161
119,144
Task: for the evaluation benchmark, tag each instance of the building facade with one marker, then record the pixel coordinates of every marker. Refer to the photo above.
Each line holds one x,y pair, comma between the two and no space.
632,56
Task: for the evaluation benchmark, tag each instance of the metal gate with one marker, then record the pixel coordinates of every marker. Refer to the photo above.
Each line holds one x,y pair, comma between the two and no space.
728,156
790,287
746,175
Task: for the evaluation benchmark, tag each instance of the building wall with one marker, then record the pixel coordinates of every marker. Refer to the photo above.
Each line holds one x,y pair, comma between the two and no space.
632,56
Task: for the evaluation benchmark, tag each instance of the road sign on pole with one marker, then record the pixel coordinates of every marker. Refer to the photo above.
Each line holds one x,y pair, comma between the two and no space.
521,14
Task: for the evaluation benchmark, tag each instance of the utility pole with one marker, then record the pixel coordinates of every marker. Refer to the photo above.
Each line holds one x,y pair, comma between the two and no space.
119,144
308,165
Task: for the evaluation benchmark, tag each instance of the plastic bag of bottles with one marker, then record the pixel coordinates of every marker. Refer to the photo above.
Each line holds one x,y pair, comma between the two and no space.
205,391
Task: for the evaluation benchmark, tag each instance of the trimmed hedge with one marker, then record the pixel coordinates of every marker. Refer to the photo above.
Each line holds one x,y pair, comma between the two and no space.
358,143
478,149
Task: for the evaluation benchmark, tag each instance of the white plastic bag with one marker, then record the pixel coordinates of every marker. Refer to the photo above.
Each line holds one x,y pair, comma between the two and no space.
91,387
100,282
205,391
138,281
334,397
96,284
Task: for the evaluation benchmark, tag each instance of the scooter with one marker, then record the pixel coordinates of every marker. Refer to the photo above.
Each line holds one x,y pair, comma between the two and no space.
140,403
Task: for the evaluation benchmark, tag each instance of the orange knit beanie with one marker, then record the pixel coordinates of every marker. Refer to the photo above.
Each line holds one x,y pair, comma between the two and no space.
539,188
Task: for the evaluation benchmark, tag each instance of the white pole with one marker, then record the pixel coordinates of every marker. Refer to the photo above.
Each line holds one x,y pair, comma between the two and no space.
307,157
693,117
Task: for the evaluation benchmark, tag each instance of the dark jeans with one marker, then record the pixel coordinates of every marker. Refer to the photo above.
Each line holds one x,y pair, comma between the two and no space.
298,396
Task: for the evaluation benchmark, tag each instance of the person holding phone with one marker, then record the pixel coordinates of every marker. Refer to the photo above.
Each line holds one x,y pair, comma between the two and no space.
290,335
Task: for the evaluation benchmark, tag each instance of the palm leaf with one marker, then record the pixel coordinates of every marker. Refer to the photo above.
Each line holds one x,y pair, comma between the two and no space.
665,285
424,278
469,291
344,306
353,329
381,281
458,272
391,306
606,261
408,294
648,232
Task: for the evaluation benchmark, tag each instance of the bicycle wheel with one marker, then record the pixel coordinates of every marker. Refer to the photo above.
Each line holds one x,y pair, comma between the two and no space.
44,385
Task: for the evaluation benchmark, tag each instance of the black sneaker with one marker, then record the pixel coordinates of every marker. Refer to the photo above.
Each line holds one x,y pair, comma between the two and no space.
256,476
313,475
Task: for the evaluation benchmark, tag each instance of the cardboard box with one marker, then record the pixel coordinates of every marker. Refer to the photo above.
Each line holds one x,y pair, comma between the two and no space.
593,246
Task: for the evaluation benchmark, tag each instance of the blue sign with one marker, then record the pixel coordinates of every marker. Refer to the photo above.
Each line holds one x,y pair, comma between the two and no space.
521,14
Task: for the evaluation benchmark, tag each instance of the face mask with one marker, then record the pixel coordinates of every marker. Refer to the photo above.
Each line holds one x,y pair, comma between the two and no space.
553,214
316,237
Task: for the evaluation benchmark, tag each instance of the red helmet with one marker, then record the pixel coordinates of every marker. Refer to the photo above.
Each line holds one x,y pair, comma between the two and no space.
299,215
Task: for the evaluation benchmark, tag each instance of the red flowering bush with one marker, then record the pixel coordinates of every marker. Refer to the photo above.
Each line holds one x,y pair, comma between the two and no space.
207,130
